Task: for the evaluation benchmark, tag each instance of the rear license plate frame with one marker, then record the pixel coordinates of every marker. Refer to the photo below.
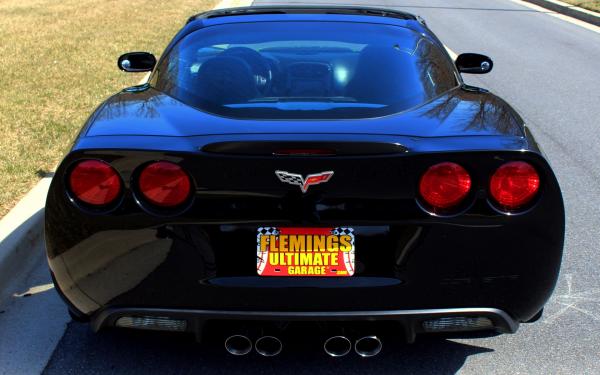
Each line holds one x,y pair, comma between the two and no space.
305,252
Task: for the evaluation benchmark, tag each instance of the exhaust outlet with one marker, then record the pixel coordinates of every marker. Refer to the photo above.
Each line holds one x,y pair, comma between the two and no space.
337,346
238,345
268,346
368,346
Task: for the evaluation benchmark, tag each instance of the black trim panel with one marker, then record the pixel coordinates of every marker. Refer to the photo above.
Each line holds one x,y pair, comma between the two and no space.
410,319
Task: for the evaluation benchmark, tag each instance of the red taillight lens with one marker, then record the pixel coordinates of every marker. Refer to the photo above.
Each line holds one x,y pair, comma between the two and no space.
164,184
514,184
445,185
94,182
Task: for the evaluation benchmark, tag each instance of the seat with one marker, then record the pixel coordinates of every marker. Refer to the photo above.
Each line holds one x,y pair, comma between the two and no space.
225,80
385,75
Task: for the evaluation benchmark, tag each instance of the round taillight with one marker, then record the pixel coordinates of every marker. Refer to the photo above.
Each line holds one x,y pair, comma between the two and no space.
445,185
164,184
514,184
94,182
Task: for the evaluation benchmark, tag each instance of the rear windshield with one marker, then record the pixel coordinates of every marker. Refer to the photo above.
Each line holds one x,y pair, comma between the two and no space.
314,70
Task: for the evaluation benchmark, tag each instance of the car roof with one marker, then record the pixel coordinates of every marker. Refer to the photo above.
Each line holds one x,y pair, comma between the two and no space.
305,13
309,13
305,9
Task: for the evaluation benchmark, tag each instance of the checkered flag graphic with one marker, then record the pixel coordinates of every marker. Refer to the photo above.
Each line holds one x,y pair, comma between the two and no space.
290,178
348,257
261,257
267,231
341,230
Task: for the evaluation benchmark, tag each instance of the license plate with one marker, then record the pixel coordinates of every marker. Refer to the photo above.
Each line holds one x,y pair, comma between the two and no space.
305,252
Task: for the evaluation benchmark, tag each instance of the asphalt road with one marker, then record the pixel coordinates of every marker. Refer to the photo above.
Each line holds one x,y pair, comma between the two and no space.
548,69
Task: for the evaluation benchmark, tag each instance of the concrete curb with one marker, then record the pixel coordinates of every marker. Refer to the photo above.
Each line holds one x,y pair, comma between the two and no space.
569,10
20,231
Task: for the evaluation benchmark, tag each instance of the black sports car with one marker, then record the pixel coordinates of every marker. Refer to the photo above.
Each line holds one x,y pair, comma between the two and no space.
311,167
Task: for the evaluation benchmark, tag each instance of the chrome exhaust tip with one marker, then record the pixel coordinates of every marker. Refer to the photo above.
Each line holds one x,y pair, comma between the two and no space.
238,345
337,346
268,346
368,346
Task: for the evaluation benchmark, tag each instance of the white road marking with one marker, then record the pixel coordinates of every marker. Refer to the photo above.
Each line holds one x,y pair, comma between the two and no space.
35,290
583,311
145,79
452,54
572,300
549,12
552,318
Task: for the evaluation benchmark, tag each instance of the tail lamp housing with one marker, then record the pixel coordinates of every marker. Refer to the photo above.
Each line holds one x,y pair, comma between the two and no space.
164,184
514,185
445,185
94,183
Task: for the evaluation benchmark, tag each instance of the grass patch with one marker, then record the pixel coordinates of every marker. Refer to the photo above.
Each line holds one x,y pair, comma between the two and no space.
589,4
57,63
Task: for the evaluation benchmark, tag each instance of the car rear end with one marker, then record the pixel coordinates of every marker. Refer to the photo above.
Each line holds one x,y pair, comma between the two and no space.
188,250
350,178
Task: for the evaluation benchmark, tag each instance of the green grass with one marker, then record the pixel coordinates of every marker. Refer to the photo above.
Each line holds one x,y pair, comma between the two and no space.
589,4
57,63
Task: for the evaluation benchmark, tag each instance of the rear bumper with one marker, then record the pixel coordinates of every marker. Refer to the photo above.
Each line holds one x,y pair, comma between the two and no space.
399,268
412,321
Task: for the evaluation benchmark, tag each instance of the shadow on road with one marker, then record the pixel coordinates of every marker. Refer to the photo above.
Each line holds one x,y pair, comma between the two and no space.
121,351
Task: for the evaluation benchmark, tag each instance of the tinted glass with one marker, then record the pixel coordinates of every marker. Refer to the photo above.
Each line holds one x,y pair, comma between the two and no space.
277,70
